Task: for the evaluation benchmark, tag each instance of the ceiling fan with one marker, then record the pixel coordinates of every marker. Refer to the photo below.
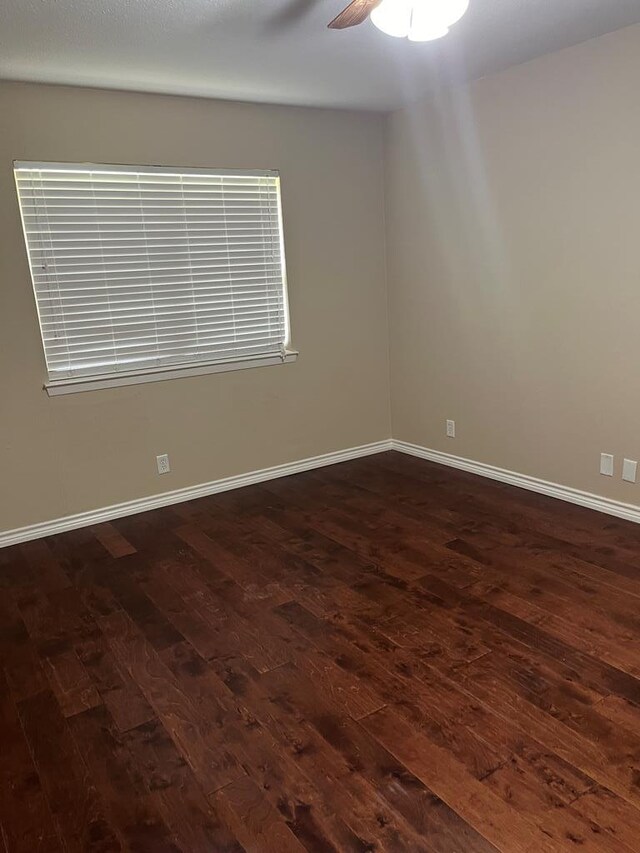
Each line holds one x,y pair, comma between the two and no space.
417,20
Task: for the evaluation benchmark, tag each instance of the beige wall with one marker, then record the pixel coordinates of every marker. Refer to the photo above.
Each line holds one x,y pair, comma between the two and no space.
74,453
513,214
513,266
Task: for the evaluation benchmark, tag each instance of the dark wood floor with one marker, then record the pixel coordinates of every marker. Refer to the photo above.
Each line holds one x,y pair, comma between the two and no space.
385,655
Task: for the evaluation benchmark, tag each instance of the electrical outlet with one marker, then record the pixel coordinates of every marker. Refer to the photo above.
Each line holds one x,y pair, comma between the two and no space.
606,464
451,429
629,470
163,464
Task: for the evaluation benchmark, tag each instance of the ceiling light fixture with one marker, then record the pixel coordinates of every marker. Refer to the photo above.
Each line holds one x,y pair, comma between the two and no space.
418,20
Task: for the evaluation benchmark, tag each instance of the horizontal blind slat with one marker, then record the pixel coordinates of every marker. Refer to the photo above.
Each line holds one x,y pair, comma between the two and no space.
175,344
122,318
136,266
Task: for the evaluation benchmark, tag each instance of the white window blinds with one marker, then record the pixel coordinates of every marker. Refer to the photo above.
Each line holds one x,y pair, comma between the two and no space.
136,269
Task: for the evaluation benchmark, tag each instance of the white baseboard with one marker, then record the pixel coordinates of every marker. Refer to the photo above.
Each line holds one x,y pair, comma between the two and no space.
96,516
630,512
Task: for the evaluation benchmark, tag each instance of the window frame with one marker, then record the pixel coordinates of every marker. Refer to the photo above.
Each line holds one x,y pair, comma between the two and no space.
90,382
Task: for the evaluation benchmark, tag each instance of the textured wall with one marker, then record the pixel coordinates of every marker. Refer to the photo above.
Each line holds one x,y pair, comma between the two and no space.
513,214
74,453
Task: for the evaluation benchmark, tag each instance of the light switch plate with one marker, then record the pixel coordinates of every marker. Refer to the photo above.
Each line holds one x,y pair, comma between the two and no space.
606,464
629,470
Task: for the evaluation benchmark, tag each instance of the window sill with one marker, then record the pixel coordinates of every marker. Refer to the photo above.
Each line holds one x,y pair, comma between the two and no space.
96,383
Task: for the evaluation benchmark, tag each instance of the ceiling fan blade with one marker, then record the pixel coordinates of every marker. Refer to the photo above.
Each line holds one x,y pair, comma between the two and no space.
356,13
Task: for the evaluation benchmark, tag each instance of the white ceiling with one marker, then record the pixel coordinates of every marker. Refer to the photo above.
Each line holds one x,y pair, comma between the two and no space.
279,51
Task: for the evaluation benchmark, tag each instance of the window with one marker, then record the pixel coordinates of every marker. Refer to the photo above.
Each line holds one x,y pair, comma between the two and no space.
143,273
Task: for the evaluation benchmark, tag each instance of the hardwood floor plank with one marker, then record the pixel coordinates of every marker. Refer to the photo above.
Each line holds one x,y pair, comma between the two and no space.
254,820
599,674
282,700
193,734
25,817
72,796
48,572
119,692
556,819
262,756
354,695
71,683
440,826
500,824
208,624
195,612
18,656
127,804
126,586
56,620
111,538
555,780
195,824
604,809
381,655
235,568
402,561
410,698
612,767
